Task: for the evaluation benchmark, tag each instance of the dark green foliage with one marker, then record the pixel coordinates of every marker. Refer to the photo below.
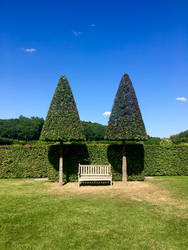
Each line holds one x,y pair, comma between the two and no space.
93,131
42,161
166,160
22,128
36,161
72,156
179,138
135,161
125,121
62,121
23,161
153,140
95,154
7,141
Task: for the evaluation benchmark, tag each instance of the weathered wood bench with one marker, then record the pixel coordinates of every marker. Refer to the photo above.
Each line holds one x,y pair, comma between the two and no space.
87,173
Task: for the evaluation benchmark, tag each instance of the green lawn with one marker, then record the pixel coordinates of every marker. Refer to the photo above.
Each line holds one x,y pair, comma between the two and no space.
33,218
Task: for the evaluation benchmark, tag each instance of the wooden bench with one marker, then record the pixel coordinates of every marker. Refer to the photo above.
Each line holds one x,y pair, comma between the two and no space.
87,173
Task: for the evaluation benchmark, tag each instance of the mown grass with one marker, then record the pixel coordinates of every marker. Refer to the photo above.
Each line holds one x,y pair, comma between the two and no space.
32,218
178,185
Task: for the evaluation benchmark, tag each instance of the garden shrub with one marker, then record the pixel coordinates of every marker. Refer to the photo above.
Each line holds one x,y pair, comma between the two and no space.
23,161
42,160
62,122
125,122
166,160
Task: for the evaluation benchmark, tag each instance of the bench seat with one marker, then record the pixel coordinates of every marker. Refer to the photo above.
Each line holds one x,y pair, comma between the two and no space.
89,173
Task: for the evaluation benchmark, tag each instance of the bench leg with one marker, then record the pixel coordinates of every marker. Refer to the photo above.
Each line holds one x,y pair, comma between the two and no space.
111,182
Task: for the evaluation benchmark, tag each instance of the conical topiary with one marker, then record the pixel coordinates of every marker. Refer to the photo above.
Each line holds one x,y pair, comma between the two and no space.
126,121
62,122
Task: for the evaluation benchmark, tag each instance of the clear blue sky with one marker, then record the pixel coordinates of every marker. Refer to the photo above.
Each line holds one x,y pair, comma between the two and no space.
94,43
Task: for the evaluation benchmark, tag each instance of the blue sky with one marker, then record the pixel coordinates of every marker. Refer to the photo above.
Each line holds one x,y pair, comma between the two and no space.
94,43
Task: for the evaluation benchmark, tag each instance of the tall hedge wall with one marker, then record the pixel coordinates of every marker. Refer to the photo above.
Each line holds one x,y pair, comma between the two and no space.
166,160
23,161
42,161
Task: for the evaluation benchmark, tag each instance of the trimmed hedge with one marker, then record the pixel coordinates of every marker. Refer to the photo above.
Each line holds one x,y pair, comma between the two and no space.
23,161
42,161
166,160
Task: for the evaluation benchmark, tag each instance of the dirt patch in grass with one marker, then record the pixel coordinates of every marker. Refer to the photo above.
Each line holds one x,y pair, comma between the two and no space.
139,191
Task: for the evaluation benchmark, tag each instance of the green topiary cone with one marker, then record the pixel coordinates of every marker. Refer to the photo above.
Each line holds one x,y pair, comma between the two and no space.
126,121
62,122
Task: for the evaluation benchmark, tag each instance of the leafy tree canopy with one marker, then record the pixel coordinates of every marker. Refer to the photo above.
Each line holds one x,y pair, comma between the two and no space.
21,128
28,129
180,138
62,122
126,121
93,131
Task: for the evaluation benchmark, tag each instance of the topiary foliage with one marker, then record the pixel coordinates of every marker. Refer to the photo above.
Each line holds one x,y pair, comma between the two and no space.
62,121
126,121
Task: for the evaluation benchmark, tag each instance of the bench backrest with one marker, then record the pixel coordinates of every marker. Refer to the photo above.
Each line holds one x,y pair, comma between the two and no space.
94,169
